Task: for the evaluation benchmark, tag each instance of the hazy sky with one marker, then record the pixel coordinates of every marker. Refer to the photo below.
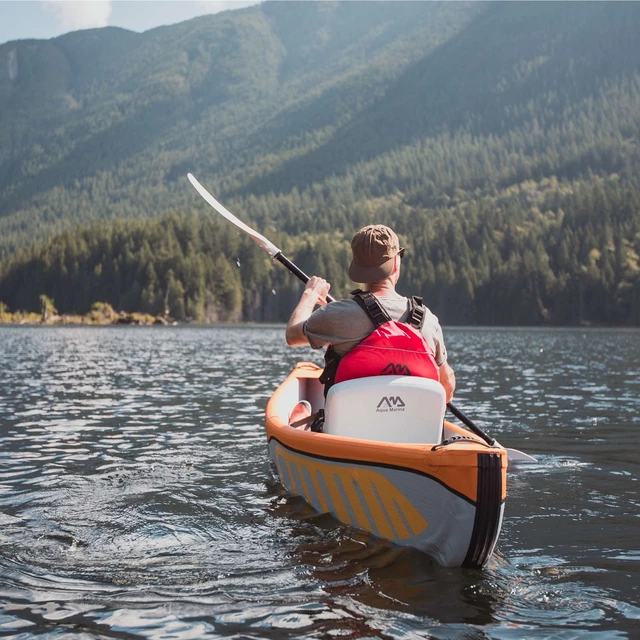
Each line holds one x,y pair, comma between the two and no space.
21,19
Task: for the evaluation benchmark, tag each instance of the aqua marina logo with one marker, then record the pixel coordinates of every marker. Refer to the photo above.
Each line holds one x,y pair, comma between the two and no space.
396,370
390,403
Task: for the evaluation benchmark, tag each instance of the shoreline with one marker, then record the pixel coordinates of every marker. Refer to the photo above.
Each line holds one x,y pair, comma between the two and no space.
30,319
34,319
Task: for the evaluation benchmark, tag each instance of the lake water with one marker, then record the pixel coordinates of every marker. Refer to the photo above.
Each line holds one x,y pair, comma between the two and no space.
136,499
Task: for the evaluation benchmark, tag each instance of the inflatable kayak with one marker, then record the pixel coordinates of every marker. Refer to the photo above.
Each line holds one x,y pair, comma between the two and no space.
386,461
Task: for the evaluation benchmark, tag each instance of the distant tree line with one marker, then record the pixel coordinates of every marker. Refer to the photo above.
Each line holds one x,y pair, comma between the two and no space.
546,252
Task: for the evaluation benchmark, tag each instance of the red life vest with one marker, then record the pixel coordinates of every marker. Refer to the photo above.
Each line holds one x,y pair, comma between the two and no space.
393,348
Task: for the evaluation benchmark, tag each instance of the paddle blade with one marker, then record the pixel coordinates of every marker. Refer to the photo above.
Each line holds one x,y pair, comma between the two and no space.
259,239
515,455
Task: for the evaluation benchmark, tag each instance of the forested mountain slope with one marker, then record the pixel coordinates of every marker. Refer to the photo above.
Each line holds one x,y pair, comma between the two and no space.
553,86
500,139
106,123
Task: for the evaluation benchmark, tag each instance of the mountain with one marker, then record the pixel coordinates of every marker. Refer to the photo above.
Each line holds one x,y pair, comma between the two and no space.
499,138
104,123
296,95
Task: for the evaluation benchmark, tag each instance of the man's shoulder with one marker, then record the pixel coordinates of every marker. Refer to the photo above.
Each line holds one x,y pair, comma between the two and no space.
395,306
344,306
338,321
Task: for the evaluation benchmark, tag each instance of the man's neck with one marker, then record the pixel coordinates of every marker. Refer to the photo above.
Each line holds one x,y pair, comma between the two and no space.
384,289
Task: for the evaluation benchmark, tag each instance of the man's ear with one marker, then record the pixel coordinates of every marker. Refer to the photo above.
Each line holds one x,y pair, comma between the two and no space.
396,264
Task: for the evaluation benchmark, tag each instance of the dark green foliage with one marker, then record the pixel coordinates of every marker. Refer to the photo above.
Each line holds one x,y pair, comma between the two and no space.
547,253
500,139
174,264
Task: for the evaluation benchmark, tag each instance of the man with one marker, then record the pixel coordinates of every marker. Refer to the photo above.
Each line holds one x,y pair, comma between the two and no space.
376,262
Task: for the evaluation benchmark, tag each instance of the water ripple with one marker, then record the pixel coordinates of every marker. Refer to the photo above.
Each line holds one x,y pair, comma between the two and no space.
136,498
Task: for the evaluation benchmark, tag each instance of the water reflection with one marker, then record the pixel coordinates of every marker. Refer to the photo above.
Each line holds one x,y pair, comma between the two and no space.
378,575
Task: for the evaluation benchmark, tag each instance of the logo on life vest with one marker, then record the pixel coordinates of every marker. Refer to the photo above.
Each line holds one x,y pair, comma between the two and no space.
391,403
396,370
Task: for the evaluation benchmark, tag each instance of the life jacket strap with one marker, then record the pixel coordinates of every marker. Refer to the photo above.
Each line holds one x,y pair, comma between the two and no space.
417,313
331,362
371,306
379,315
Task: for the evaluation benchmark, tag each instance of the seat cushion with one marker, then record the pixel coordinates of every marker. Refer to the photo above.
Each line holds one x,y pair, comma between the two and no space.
404,409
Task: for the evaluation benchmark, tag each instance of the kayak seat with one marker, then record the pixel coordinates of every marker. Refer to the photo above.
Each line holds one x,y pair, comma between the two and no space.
403,409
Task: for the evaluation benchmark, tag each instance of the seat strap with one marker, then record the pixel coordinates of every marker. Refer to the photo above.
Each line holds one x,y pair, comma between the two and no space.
303,421
317,426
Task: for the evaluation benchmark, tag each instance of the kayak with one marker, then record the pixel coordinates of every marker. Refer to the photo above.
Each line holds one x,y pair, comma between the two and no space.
386,462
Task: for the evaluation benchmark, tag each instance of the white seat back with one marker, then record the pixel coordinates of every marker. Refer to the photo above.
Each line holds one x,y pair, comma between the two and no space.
387,408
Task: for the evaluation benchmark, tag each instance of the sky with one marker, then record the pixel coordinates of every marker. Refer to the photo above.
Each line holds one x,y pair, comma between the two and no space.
20,19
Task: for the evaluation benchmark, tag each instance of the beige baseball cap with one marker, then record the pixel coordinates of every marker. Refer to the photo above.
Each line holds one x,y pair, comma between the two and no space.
374,249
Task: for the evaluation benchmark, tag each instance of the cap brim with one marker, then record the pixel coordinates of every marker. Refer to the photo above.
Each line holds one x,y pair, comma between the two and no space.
366,275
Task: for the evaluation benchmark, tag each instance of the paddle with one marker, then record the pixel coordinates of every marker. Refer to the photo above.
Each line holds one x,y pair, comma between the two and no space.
514,455
276,254
259,239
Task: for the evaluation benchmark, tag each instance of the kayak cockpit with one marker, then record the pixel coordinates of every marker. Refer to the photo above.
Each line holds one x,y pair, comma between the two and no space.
400,409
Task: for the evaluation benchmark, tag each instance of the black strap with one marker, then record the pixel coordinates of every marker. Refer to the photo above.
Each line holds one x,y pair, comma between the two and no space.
457,438
371,306
331,362
316,419
317,426
378,314
417,312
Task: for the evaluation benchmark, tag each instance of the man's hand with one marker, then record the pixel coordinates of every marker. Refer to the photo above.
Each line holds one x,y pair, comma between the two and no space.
315,293
318,287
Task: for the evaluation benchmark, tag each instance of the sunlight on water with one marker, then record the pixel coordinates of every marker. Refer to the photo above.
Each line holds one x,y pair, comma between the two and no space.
136,498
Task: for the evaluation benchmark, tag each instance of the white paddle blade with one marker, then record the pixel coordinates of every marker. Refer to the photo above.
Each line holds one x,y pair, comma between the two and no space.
260,240
515,455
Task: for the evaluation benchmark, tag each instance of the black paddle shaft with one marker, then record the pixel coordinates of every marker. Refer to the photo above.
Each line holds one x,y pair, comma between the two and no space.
468,423
299,273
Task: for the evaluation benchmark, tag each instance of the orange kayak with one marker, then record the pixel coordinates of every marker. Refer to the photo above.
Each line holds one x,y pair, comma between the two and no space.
444,496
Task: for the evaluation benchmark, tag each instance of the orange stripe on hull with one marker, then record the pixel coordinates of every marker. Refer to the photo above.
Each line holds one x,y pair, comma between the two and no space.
362,497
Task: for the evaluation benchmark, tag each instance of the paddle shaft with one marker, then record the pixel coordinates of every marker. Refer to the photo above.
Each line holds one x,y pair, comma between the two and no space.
469,423
299,273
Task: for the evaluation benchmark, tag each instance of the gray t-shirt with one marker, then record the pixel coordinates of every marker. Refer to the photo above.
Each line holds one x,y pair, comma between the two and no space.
344,324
